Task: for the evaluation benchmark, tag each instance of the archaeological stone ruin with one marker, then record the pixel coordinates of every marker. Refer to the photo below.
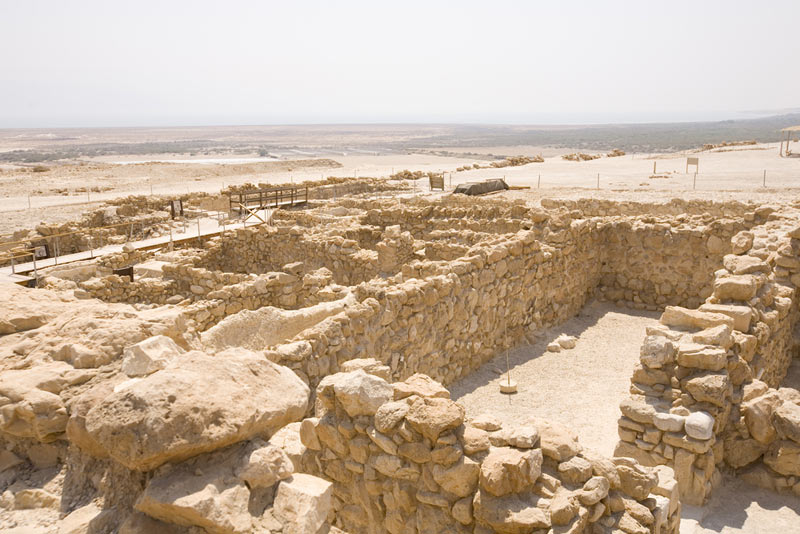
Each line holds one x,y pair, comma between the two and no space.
292,376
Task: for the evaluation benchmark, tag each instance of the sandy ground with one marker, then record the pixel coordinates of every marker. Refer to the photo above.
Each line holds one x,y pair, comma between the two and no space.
580,388
732,174
738,507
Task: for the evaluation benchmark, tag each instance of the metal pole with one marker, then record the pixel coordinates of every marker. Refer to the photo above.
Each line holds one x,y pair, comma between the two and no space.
694,182
199,241
56,247
13,271
539,182
598,180
765,178
170,238
35,271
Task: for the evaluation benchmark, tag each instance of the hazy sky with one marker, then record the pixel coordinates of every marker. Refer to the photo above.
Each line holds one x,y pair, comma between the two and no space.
109,62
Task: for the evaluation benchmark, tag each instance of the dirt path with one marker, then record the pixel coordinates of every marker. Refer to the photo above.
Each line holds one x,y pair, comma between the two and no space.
581,387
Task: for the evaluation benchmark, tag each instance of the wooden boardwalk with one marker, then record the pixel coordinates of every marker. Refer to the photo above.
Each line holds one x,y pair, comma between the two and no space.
258,199
24,273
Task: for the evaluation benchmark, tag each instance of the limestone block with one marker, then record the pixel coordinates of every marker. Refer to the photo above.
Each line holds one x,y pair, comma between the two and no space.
369,365
358,392
786,419
173,414
741,315
148,356
460,479
422,385
635,480
566,341
390,414
686,318
264,464
506,470
303,503
736,287
202,492
510,514
714,388
758,416
556,441
432,416
699,425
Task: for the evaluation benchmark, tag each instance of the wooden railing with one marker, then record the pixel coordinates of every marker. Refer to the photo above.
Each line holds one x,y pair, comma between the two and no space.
279,197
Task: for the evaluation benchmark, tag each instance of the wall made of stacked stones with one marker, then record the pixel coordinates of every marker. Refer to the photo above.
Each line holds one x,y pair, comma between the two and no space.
461,313
403,460
595,207
650,264
265,249
700,395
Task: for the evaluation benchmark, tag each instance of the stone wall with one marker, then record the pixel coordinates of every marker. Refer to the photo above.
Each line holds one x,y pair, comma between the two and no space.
692,405
596,207
650,263
403,460
461,312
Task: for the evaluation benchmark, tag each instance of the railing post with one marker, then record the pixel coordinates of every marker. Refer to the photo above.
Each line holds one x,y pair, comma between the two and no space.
56,251
13,270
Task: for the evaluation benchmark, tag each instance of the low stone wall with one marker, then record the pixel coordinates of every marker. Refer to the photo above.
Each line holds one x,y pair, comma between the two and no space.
650,263
464,311
765,443
595,207
692,405
263,249
402,459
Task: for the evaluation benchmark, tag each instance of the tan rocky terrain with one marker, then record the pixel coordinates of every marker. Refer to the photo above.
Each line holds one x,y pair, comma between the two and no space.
292,376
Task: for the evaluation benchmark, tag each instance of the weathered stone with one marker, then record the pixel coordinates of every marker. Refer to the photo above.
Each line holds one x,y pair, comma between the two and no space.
668,422
557,442
786,419
737,287
368,365
563,507
740,452
720,336
783,457
506,470
656,351
474,440
460,479
714,388
486,422
741,242
566,341
432,416
358,392
594,490
462,510
741,315
510,514
303,503
699,425
702,356
263,465
635,480
686,318
149,356
576,470
172,414
389,415
758,416
422,385
202,492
